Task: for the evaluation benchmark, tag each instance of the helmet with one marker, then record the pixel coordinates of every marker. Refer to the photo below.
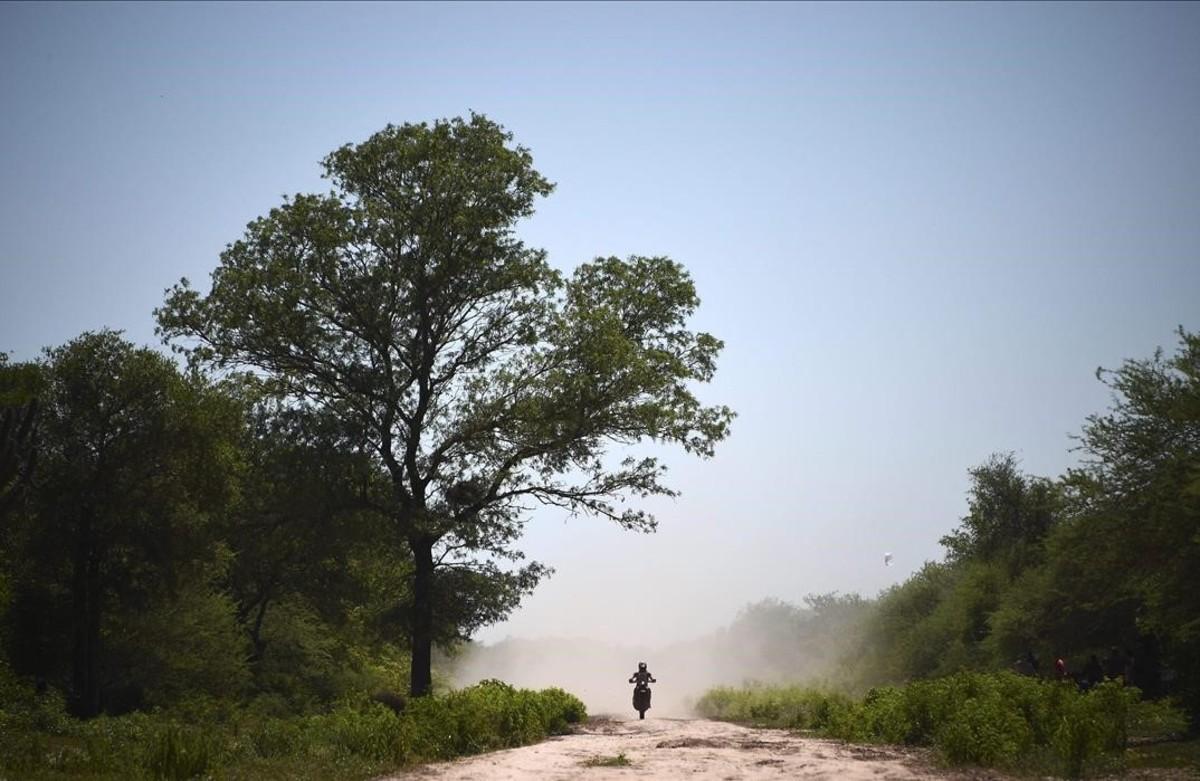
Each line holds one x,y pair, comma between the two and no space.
641,665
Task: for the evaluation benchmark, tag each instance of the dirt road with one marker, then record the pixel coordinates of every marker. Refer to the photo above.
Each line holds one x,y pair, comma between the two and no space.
691,749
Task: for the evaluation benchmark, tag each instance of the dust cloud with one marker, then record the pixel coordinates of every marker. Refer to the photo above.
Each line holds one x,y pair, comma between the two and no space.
769,642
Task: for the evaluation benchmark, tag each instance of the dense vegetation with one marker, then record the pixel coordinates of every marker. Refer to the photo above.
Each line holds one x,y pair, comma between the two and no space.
1089,582
193,562
995,719
1099,568
358,738
380,384
474,376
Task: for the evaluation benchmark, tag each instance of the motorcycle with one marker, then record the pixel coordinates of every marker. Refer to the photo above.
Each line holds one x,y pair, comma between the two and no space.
641,697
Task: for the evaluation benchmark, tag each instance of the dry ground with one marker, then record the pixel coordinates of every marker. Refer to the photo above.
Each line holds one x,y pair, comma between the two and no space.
691,749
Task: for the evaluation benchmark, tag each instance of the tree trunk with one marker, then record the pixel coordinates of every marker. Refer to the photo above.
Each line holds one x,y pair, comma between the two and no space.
85,620
259,645
422,618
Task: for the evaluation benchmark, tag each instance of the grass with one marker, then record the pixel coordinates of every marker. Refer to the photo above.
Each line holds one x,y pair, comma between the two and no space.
991,720
620,760
358,739
1166,754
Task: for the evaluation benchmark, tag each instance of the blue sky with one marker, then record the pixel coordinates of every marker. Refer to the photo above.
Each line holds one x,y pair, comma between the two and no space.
918,228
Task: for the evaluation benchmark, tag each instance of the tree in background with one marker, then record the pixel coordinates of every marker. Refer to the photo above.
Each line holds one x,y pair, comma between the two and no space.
1126,569
943,619
481,380
305,506
18,432
1009,514
1107,557
308,575
133,458
1145,470
775,641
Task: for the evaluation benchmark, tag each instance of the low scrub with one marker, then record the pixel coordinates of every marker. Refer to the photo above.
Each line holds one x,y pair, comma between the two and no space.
620,760
994,720
359,738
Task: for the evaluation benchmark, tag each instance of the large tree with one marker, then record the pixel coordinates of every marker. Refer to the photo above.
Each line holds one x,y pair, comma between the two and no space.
481,379
1135,535
1009,515
133,458
304,505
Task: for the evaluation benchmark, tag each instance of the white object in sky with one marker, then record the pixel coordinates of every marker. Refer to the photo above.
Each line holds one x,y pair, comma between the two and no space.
887,559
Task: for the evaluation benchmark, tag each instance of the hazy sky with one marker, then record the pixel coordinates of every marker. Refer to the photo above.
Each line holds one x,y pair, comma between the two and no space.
918,228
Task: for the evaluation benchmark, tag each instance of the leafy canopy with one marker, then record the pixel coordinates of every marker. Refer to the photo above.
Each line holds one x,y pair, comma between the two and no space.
482,379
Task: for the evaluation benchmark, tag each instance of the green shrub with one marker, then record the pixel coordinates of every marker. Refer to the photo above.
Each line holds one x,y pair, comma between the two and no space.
997,719
273,738
178,753
1093,726
983,730
358,737
560,710
620,760
1158,720
885,716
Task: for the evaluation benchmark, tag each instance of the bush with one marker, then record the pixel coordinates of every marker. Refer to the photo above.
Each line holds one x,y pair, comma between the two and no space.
1092,727
983,730
178,753
997,719
886,716
358,737
791,707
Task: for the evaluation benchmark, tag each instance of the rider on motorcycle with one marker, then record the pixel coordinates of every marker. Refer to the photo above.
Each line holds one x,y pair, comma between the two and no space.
642,675
642,680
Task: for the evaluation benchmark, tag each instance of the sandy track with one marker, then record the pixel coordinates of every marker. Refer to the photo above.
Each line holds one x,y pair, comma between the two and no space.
692,749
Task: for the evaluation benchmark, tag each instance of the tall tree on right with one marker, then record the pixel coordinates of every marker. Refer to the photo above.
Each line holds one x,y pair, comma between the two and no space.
1138,501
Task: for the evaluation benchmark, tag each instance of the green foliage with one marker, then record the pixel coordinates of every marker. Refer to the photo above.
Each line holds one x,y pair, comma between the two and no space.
20,385
560,710
619,760
1143,484
796,707
134,458
1009,514
22,708
1102,562
898,641
1184,755
1093,725
965,614
1155,720
403,306
182,646
186,542
1119,566
997,719
983,730
1104,558
177,752
357,738
303,660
